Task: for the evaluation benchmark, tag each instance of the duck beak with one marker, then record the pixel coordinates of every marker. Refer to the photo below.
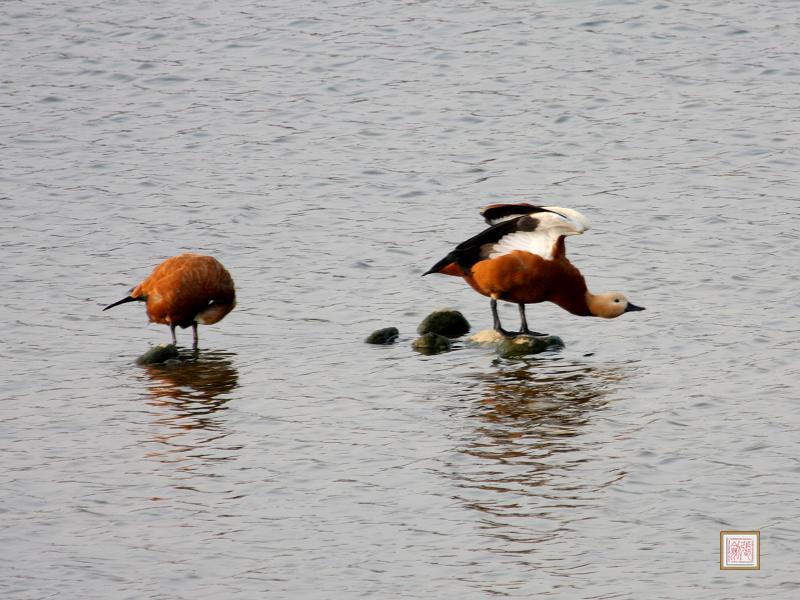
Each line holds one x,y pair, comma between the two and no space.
123,301
633,307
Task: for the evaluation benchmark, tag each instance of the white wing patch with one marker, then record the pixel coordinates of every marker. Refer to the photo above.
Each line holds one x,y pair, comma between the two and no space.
506,218
541,241
578,222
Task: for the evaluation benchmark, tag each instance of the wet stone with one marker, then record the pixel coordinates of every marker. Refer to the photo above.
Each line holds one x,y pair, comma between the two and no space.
525,345
158,354
431,343
515,347
385,336
449,323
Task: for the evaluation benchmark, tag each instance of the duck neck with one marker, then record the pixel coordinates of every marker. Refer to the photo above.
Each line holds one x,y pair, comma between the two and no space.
574,297
591,301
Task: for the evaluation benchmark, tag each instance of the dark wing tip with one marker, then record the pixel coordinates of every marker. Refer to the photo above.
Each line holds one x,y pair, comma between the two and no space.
496,213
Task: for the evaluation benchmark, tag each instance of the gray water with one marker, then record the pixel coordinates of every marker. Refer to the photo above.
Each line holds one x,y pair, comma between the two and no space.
328,153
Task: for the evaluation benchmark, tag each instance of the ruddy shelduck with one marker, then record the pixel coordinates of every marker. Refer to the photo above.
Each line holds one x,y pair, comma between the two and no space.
521,258
185,290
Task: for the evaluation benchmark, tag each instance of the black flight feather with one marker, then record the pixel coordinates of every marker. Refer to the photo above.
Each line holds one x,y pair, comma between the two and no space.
468,252
492,213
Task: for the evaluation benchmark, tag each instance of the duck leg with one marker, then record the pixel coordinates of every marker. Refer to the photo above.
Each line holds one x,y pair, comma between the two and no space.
524,323
194,335
174,339
496,322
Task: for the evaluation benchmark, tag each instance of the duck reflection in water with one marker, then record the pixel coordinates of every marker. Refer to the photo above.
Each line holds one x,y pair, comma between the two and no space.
187,400
533,454
542,403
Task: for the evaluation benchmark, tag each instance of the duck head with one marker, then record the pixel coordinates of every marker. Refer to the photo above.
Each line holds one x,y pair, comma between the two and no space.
610,305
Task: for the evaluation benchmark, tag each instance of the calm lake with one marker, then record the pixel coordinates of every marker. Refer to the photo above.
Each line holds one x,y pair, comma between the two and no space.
328,153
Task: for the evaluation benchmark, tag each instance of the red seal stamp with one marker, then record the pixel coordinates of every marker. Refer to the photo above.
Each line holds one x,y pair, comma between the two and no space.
739,550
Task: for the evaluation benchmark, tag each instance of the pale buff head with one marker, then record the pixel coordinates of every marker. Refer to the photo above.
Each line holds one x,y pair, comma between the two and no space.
610,304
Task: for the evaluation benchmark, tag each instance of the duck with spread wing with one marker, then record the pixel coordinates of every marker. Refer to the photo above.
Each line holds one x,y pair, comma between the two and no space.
521,258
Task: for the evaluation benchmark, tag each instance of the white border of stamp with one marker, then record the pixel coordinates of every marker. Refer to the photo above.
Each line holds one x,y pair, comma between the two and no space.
727,546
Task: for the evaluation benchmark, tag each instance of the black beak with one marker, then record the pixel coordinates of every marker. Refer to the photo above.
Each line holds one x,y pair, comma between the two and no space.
633,307
123,301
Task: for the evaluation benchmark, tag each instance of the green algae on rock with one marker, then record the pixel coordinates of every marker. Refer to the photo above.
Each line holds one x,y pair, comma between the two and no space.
518,346
525,345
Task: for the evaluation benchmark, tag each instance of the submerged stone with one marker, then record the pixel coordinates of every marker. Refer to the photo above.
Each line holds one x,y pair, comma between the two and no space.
385,336
515,347
158,354
449,323
431,343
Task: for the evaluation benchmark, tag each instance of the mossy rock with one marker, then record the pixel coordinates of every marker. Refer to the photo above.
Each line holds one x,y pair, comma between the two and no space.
158,354
515,347
449,323
431,343
525,345
385,336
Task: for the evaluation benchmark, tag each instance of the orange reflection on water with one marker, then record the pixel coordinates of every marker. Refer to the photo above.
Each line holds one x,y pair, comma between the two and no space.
530,456
194,388
187,399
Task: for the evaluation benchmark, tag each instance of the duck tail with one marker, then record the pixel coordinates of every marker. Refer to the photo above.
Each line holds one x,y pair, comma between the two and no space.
446,266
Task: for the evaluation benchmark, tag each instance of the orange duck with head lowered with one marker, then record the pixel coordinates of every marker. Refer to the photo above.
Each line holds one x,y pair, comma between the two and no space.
521,258
185,290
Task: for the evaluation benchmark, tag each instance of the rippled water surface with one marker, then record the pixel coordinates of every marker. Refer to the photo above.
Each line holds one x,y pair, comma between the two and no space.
328,153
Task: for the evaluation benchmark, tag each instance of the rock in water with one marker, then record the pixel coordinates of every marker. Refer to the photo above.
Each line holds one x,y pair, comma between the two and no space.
524,345
431,343
158,354
449,323
487,337
515,347
385,336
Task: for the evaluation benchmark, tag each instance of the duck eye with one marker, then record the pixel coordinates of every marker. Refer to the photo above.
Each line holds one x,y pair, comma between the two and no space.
616,300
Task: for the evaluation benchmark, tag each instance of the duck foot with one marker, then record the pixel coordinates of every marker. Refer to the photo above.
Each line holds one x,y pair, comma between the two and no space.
527,331
513,334
506,334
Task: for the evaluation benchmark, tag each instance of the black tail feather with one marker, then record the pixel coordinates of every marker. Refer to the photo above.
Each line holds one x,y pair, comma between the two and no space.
440,265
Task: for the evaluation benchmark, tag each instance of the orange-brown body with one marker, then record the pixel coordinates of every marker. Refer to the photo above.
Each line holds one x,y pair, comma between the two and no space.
186,290
521,258
525,278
